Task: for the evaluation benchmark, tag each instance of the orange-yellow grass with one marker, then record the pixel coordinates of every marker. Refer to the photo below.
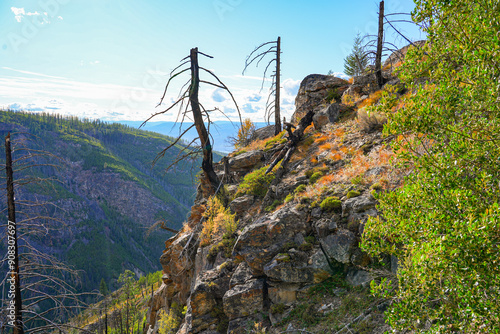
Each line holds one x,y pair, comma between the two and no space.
320,138
258,144
360,163
326,147
371,100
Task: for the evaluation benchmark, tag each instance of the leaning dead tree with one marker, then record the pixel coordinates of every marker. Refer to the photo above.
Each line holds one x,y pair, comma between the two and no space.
295,135
38,293
256,56
190,109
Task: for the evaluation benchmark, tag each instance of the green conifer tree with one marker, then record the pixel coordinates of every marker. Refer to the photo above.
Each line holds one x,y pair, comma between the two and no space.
356,62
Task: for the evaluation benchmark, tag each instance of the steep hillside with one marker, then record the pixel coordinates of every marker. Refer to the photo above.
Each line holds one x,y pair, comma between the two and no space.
284,254
106,192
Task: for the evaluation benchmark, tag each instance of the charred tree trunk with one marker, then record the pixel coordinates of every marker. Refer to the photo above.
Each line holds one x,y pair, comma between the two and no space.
12,240
206,164
380,41
286,153
277,110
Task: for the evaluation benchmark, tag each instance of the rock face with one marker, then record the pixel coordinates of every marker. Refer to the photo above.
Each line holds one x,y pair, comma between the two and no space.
246,161
314,90
263,133
278,253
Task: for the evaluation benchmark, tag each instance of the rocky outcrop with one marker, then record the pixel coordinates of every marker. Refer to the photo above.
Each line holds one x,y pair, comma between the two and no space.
313,92
263,133
269,264
246,161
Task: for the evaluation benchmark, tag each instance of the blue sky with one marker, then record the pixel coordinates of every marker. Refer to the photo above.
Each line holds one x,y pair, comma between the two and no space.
110,59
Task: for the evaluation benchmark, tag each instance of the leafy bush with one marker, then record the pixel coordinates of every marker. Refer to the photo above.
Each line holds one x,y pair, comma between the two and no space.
330,203
278,308
288,198
255,183
306,246
315,177
332,95
218,221
300,189
168,322
273,206
353,193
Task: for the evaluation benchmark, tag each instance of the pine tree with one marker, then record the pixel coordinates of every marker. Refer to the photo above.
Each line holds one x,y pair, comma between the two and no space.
355,63
103,288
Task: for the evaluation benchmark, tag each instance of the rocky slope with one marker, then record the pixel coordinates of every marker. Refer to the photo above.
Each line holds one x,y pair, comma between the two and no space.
294,260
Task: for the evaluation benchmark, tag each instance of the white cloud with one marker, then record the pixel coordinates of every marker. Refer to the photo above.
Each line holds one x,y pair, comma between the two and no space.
340,75
18,13
60,18
42,92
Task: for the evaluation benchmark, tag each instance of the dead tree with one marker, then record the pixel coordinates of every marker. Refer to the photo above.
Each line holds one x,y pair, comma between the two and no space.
13,249
257,55
43,293
380,41
197,114
285,154
378,46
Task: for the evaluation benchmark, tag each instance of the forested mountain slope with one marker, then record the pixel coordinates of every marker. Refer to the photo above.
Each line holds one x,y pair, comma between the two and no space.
106,191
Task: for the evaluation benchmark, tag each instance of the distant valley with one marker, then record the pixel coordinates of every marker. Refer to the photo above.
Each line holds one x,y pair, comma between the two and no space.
107,192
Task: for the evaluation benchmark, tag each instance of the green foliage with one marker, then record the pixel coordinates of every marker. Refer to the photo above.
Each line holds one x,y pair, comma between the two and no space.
276,140
310,239
168,322
103,288
357,180
356,62
278,308
332,96
273,206
288,245
306,246
255,183
315,177
289,198
219,222
330,203
443,223
353,193
300,189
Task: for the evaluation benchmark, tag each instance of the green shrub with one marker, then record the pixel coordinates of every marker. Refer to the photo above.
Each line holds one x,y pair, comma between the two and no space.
273,206
279,139
300,189
289,245
376,186
255,183
278,308
310,239
330,203
357,180
353,193
288,198
306,246
315,177
333,95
